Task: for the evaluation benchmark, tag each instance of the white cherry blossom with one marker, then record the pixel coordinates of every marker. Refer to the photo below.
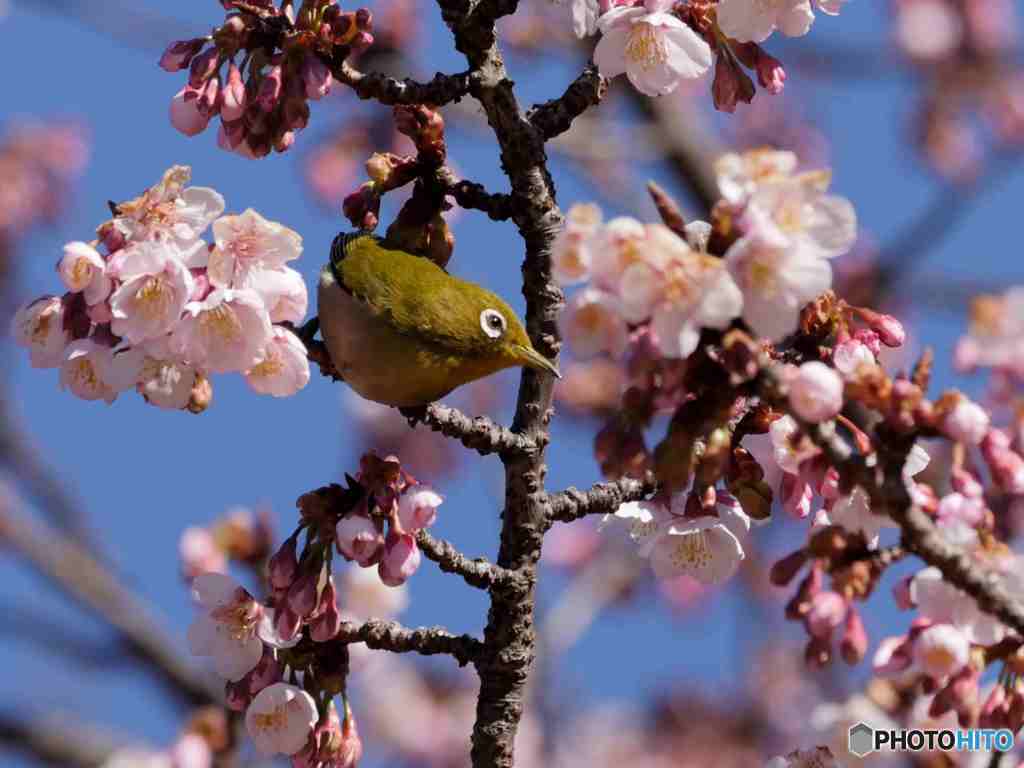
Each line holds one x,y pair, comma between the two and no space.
284,367
227,331
39,327
226,625
281,719
248,242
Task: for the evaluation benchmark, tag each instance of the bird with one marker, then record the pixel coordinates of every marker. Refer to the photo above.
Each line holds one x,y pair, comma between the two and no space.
402,331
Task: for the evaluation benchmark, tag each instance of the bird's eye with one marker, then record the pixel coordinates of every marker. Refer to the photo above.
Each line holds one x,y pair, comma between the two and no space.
492,322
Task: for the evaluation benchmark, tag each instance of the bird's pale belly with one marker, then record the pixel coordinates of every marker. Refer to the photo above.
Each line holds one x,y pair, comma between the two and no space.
376,361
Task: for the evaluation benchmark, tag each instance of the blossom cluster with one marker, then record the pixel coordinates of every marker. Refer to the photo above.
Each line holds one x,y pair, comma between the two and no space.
151,306
658,44
784,229
253,644
689,536
264,101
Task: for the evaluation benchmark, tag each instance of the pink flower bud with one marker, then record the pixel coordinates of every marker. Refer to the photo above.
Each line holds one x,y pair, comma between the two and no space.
316,77
850,355
855,638
236,696
828,609
327,623
208,101
967,423
889,329
185,115
284,565
302,594
869,339
179,54
417,507
1006,465
816,392
770,73
359,538
401,559
233,98
203,66
995,709
285,141
199,553
286,623
966,483
270,89
901,594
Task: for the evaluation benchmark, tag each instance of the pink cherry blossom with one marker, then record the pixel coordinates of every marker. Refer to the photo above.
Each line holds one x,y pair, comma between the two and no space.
848,356
593,324
284,367
359,538
88,371
571,254
941,650
185,114
170,210
417,507
585,14
789,455
777,279
39,327
969,510
80,266
165,383
652,47
755,20
199,553
154,290
740,175
226,625
827,611
816,392
316,77
283,291
614,247
943,603
967,423
227,331
401,558
281,719
248,242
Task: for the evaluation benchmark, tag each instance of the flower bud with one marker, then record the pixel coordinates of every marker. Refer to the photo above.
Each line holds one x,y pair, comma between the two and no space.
731,85
302,596
286,623
316,77
359,538
827,611
327,623
401,559
966,423
178,54
270,89
770,73
203,66
185,114
417,507
233,95
816,392
855,638
284,565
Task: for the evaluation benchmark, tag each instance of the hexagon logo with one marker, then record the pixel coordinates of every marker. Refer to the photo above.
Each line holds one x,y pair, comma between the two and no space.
861,739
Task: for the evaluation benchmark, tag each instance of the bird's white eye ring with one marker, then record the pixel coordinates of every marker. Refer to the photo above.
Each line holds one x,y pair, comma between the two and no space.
492,322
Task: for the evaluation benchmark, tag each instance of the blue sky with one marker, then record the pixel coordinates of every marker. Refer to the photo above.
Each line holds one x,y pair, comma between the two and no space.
144,474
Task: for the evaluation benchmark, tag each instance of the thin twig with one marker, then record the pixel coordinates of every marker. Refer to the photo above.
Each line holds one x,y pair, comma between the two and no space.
477,572
471,195
554,117
429,641
440,90
603,498
478,433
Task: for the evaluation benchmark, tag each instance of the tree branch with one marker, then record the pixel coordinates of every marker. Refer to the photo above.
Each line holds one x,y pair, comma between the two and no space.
476,572
554,117
603,498
56,741
478,433
429,641
69,567
471,195
440,90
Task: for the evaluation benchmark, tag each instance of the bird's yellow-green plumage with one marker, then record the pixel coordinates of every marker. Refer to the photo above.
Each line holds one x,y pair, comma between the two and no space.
404,332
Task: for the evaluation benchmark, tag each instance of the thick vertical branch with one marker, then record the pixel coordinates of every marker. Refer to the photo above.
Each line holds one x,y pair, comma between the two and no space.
509,637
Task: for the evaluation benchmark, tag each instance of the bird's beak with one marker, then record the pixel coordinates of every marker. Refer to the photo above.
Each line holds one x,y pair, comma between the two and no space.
531,357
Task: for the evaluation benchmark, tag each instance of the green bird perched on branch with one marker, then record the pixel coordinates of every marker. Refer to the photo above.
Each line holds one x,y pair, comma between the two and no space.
402,331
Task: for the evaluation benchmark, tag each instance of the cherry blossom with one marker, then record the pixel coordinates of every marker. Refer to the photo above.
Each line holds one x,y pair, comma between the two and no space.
417,507
816,392
246,243
80,266
943,603
227,331
153,293
653,48
281,719
777,278
359,538
755,20
401,558
89,371
941,650
284,367
226,625
39,327
571,253
740,175
173,211
593,324
199,553
283,291
967,422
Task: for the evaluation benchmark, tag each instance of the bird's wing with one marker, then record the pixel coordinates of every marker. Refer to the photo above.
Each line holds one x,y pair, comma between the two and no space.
412,293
